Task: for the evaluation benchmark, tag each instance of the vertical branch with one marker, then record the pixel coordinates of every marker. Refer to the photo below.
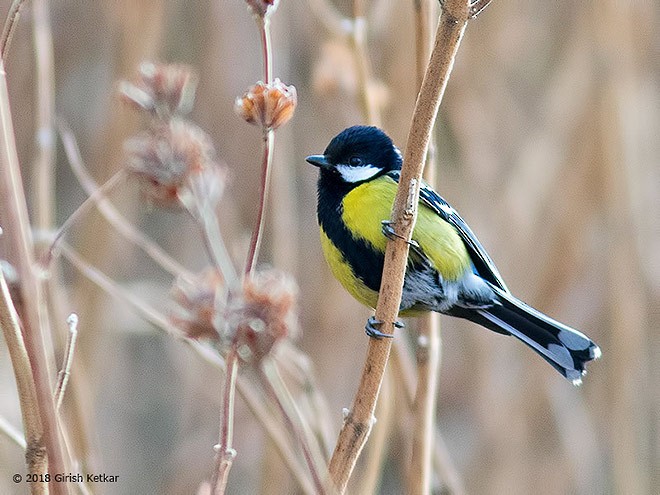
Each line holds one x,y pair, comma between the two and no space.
44,169
358,423
225,453
36,322
267,160
428,342
268,144
35,453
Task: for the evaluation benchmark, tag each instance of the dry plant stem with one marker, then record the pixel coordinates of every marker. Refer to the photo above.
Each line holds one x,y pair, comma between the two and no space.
404,373
12,433
44,168
268,144
428,362
35,453
357,425
110,213
299,368
211,235
81,210
252,399
266,165
266,48
63,375
420,475
35,325
225,453
10,24
377,449
273,384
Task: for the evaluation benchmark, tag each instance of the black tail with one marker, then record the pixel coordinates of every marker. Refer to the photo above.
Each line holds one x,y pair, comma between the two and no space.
566,349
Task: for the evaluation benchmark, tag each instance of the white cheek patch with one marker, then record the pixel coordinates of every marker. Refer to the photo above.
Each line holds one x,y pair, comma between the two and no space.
357,174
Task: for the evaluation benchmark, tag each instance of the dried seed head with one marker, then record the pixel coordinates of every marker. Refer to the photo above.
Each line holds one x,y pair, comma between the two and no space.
199,305
165,158
262,8
261,313
164,90
268,105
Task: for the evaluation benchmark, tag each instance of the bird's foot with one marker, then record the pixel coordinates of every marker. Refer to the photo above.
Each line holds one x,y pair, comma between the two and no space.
373,325
388,231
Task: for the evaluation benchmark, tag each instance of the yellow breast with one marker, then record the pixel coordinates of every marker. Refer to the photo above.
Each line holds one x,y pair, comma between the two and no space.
370,203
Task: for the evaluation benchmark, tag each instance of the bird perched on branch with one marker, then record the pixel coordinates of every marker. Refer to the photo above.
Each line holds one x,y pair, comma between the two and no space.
448,269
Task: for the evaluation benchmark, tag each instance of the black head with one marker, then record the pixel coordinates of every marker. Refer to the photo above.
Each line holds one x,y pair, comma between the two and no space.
358,154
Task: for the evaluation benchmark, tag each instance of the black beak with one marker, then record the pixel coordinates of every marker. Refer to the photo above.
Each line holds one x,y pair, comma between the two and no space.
318,161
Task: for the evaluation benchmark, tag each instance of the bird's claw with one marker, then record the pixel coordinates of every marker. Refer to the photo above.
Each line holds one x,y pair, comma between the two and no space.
373,325
388,231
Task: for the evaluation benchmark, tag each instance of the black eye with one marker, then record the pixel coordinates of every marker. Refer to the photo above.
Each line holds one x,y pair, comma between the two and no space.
355,161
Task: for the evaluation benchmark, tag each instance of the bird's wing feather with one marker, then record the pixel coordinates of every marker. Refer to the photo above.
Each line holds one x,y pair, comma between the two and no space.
484,266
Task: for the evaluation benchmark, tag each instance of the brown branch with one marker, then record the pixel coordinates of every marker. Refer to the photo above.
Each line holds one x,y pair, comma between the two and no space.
10,24
63,375
357,425
44,166
35,325
225,453
420,475
266,166
35,452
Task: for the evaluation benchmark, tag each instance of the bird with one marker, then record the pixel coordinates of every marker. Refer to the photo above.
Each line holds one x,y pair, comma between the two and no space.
448,271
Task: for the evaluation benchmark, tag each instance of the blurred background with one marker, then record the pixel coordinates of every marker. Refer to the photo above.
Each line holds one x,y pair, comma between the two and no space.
548,145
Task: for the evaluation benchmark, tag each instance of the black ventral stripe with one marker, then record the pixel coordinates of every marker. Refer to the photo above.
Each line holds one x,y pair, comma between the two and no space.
366,262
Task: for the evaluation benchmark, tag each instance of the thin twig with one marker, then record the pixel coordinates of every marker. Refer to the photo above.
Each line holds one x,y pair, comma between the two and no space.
443,465
204,214
63,375
420,476
35,457
378,447
273,384
266,48
266,166
357,426
225,453
44,166
10,24
35,325
86,205
428,362
110,213
298,366
268,146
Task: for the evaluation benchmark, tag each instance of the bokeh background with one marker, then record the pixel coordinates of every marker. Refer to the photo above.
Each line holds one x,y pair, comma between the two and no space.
548,144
